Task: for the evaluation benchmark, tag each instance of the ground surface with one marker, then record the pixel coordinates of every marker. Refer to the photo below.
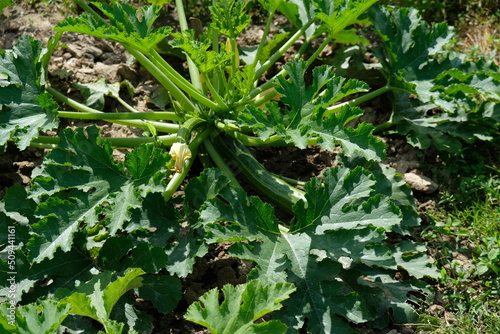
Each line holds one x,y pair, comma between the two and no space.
85,59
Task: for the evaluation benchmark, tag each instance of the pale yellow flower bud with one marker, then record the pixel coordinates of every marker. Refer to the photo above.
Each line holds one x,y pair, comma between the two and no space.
181,153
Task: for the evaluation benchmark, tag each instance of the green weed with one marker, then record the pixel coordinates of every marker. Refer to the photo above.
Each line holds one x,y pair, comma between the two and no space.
467,239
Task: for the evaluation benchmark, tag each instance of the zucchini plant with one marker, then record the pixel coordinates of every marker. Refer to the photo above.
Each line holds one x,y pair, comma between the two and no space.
88,221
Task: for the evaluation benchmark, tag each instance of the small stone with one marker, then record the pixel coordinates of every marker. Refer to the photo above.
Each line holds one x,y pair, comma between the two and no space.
76,50
93,51
126,72
436,311
420,183
110,72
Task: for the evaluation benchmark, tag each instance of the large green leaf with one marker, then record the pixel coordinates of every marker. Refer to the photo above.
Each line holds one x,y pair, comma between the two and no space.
43,318
163,291
410,45
338,236
25,108
85,182
18,206
144,255
416,60
469,84
445,130
60,270
242,306
99,296
307,121
164,226
127,25
330,205
338,15
391,184
334,16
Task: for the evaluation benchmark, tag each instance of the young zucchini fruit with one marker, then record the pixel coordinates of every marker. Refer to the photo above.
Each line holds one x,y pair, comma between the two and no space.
242,161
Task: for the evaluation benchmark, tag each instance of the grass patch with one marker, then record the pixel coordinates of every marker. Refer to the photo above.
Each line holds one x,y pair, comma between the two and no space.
464,236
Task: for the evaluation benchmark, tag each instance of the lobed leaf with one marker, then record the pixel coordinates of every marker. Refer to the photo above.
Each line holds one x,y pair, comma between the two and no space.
390,184
142,255
127,25
339,15
161,225
306,120
163,291
135,320
412,257
43,318
335,238
83,168
25,108
234,206
417,61
60,270
341,187
443,130
100,294
242,306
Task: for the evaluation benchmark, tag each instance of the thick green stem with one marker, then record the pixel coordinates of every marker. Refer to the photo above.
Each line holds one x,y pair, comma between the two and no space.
164,78
127,142
236,59
359,100
254,141
220,163
215,93
265,98
43,145
181,82
256,91
383,127
164,127
86,8
264,38
270,83
318,51
125,104
270,62
177,178
154,115
271,141
52,44
288,180
184,133
193,70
